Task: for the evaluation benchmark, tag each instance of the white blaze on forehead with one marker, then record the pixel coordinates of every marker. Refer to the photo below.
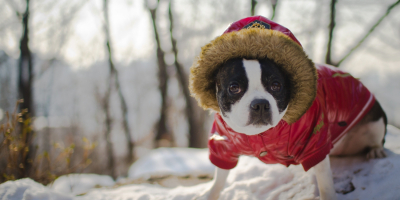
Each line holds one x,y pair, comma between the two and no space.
239,116
253,72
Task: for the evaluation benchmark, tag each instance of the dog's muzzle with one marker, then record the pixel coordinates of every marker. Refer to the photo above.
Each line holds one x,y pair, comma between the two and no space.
260,112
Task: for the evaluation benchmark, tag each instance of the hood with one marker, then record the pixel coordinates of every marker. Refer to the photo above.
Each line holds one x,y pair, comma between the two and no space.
256,38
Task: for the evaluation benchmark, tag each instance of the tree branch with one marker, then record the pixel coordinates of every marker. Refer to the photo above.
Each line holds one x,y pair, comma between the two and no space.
25,81
195,132
253,7
274,3
124,106
369,32
162,131
328,58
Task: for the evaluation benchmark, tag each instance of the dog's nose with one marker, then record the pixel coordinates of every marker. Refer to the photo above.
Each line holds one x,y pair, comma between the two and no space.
259,105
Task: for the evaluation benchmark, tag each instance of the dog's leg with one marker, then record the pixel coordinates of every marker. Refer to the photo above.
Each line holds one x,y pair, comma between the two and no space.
217,186
376,132
325,180
219,183
366,136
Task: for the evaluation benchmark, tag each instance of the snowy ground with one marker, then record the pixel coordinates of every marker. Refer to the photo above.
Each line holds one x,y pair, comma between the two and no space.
186,173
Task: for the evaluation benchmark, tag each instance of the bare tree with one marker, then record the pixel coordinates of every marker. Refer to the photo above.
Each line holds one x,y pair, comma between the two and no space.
328,58
162,131
195,130
25,81
253,7
273,4
25,65
105,101
368,32
114,80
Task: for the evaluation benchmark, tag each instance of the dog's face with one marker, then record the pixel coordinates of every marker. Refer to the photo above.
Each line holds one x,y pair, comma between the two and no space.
253,95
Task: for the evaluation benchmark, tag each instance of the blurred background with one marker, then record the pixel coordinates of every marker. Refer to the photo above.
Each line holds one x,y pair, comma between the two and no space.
104,82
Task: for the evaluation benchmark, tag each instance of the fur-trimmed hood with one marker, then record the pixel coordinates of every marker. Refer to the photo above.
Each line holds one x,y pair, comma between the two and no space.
256,38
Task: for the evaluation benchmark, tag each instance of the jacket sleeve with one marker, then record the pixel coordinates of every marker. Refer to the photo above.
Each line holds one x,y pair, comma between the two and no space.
311,136
222,150
318,146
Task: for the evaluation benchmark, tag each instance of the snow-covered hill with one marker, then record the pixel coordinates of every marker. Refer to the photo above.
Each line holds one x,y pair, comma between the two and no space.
181,173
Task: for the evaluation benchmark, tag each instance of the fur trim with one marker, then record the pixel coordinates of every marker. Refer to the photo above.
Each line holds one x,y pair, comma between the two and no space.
255,44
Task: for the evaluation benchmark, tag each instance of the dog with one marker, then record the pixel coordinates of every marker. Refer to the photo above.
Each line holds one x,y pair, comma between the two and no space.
253,97
279,109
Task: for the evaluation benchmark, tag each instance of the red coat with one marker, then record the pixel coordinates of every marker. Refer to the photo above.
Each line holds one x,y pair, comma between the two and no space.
341,102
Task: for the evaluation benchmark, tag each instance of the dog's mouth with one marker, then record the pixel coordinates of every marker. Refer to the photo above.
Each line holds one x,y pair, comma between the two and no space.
259,121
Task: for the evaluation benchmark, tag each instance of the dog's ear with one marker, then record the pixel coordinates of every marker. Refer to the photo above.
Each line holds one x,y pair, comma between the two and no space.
215,75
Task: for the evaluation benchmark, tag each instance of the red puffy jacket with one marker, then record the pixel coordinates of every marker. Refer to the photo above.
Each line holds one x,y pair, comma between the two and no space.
341,102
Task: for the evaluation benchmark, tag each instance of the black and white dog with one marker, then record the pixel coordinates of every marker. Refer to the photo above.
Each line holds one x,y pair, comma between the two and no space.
253,96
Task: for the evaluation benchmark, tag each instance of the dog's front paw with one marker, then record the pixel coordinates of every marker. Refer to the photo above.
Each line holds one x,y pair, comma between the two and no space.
376,152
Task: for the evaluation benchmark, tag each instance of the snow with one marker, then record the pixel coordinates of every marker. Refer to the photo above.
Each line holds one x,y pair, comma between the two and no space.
171,173
80,183
176,161
27,189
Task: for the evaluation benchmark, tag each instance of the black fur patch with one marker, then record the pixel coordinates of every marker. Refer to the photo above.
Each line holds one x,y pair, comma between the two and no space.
374,115
271,73
231,71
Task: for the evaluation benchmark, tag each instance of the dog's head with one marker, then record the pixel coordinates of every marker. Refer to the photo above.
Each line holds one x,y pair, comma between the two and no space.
253,95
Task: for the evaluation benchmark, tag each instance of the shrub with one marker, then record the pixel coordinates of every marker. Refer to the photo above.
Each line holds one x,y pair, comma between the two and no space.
18,158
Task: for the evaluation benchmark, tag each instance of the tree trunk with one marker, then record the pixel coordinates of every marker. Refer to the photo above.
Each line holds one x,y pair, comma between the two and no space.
253,7
195,131
162,132
328,57
273,3
108,122
115,75
25,81
25,66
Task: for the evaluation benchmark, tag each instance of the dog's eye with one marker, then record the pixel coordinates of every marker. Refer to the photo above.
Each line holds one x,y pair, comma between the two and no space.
234,88
276,86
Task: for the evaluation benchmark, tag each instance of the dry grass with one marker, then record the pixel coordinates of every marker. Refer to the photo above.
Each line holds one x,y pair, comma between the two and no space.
19,160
